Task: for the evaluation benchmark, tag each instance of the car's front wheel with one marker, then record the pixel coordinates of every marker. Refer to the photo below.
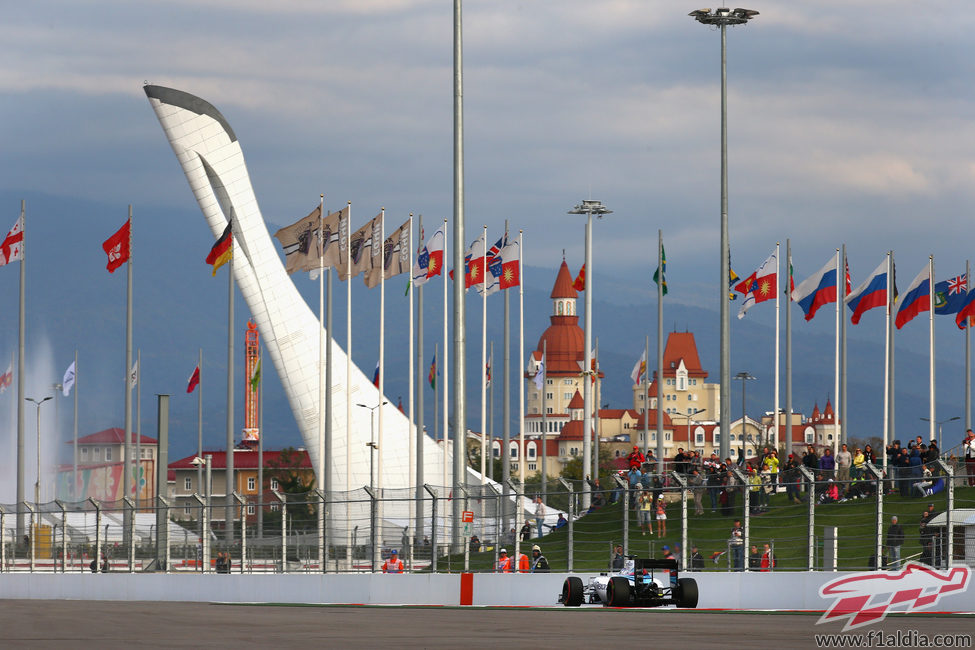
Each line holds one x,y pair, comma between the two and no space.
572,592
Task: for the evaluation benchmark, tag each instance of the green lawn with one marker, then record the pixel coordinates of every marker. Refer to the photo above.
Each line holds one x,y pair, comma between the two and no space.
784,526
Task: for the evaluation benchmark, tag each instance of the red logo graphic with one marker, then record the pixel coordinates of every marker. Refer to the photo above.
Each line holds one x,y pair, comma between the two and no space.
865,598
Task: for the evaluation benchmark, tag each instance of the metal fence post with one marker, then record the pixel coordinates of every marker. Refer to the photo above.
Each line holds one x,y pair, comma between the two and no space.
949,553
162,533
467,544
811,517
32,527
204,556
878,474
625,485
433,528
64,537
746,519
497,522
243,528
129,510
3,547
322,545
284,529
373,529
98,531
569,552
682,482
519,513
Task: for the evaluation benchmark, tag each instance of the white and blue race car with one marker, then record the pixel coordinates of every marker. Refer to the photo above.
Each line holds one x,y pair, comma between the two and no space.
640,583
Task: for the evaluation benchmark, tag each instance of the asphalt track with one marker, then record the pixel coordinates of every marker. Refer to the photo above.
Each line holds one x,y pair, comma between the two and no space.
101,624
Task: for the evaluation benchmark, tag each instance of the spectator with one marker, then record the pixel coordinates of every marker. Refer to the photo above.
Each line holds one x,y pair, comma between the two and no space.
504,562
772,460
219,563
426,541
713,481
831,492
859,463
754,559
827,464
561,522
926,535
636,459
915,444
768,559
810,459
680,460
539,515
538,562
843,461
618,558
475,544
526,532
933,452
697,560
754,490
895,539
668,554
643,512
791,477
104,563
661,518
393,564
696,481
737,545
633,478
869,455
969,446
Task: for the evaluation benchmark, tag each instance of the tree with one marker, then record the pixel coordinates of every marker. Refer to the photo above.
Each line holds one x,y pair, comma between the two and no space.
296,483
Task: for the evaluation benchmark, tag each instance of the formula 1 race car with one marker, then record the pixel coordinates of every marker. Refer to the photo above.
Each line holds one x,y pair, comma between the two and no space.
640,583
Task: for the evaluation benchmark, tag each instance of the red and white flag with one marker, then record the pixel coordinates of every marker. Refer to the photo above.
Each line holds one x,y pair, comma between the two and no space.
511,264
760,285
12,248
118,247
6,379
194,380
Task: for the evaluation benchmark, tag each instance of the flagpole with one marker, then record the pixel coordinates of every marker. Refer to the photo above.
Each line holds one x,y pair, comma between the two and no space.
522,455
491,417
544,422
660,353
484,272
348,384
842,412
887,368
968,358
836,361
260,453
382,376
74,478
458,277
932,425
199,431
410,389
138,427
229,489
436,412
646,397
775,411
460,391
20,376
327,465
127,448
420,433
320,468
788,353
506,407
597,425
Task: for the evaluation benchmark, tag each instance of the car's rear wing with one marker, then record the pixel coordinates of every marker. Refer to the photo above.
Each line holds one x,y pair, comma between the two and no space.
639,563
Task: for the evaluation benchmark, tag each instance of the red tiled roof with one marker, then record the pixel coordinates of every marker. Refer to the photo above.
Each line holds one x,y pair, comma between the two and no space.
243,459
577,401
113,436
563,284
653,420
572,430
612,414
681,346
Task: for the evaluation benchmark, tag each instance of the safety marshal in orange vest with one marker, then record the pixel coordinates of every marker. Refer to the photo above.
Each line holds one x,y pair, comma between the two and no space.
393,564
524,566
504,562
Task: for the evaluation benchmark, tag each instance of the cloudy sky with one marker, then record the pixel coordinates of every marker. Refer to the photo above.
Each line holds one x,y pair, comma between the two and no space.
849,122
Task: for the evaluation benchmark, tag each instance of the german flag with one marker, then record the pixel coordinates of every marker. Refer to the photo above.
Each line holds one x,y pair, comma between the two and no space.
222,251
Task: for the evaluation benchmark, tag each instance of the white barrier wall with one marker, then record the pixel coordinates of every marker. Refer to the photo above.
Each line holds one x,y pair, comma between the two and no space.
783,590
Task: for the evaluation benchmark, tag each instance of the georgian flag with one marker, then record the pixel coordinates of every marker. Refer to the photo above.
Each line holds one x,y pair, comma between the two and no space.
12,248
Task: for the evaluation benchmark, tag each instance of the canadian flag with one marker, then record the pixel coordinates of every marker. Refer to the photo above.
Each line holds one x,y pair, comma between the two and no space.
12,248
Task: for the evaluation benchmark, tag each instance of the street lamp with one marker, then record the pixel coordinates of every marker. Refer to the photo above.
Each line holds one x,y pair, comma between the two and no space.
37,484
939,423
588,207
743,376
372,443
689,416
722,17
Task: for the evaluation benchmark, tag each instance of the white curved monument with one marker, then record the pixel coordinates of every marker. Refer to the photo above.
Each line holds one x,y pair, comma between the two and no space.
213,162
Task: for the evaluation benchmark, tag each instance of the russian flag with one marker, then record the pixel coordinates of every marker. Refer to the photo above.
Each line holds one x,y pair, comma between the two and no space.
872,293
817,290
967,311
916,299
375,376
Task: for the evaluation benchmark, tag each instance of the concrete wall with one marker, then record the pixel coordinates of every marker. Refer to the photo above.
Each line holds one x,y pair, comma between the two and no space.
792,590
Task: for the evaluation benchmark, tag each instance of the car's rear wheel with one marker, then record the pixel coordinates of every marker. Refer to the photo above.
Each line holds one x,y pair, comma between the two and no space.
572,592
687,593
618,592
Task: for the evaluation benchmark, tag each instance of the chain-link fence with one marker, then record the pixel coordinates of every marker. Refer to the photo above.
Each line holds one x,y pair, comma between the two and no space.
797,519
